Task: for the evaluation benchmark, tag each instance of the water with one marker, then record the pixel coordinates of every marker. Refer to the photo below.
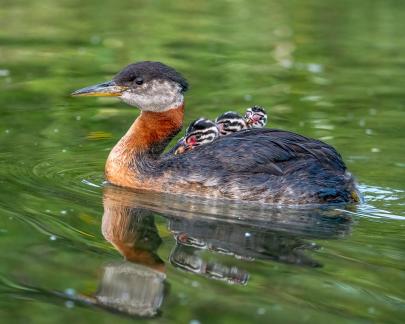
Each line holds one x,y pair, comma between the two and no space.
332,70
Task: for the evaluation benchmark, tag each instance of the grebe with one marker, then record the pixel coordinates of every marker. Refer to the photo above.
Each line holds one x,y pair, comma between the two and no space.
256,117
265,165
201,131
230,122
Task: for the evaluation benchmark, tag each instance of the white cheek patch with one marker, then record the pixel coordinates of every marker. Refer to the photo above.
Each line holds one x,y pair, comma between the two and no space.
155,95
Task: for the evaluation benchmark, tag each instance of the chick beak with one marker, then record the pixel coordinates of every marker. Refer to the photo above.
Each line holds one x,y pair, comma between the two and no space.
180,150
105,89
183,147
249,122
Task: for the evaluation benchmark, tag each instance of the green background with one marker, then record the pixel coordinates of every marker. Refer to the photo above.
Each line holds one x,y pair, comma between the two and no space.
332,70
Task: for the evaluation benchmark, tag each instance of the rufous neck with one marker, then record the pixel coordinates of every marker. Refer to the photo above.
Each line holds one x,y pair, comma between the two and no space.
152,131
144,142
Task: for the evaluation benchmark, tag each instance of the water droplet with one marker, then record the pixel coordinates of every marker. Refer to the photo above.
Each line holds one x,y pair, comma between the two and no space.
70,291
369,131
64,151
78,117
52,238
261,311
247,97
56,130
195,321
69,304
195,283
63,212
247,234
7,131
375,150
4,72
314,68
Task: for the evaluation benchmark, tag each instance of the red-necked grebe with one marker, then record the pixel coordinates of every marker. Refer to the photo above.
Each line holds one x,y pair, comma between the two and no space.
258,164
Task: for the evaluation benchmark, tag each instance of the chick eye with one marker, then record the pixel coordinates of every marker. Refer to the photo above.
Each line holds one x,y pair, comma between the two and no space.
226,124
191,140
198,136
139,80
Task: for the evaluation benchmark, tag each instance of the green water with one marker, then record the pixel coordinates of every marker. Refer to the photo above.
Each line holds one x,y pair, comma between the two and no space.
332,70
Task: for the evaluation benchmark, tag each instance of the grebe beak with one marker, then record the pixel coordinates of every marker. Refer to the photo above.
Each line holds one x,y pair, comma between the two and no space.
105,89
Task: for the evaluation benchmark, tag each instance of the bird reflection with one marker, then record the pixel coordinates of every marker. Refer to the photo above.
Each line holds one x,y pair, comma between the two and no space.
137,286
246,232
131,288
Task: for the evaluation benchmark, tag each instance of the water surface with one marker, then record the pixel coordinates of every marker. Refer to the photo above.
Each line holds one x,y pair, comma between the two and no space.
73,250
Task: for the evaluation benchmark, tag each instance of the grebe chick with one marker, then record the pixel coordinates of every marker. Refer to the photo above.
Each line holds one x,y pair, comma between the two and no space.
201,131
262,165
230,122
256,117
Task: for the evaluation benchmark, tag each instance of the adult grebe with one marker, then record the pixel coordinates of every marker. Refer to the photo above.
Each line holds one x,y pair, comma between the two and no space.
266,165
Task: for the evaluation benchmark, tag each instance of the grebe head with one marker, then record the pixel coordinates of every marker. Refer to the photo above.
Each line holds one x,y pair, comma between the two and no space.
199,132
150,86
256,117
230,122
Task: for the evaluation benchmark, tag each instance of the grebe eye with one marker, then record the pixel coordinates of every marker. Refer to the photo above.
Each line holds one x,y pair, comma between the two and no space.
139,80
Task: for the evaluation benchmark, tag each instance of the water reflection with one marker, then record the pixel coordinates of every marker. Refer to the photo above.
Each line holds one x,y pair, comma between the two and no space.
246,232
132,289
